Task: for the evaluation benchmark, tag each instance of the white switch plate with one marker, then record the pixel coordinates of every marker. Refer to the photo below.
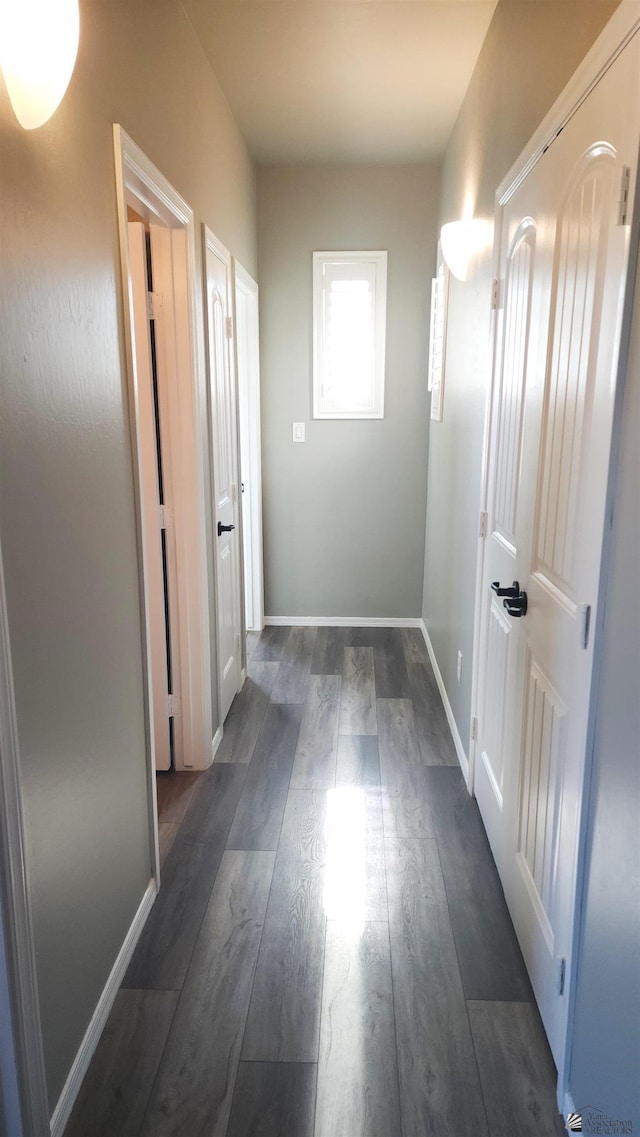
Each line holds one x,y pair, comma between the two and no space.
297,432
459,667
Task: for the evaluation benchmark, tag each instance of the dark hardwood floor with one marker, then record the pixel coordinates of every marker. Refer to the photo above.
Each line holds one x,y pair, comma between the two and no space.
330,954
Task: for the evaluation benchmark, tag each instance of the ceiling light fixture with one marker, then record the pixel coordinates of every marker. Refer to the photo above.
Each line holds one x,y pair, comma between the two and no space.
38,49
462,241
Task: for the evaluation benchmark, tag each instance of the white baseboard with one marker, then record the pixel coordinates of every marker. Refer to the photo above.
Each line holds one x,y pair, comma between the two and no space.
217,739
62,1112
342,622
453,726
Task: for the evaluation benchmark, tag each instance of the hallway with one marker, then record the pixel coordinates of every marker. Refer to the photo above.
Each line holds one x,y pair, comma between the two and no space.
330,954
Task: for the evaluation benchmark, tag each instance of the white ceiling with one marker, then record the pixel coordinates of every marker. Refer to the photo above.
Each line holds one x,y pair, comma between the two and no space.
342,80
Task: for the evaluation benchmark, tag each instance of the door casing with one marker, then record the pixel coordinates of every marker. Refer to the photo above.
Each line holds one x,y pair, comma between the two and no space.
245,319
141,185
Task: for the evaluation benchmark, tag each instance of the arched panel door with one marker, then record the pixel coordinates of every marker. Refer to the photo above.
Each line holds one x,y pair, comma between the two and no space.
564,251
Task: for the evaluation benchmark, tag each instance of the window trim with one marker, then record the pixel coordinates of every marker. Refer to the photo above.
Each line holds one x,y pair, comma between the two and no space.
362,256
438,337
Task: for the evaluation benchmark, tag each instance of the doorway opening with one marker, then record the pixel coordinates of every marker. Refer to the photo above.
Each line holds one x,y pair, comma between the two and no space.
166,398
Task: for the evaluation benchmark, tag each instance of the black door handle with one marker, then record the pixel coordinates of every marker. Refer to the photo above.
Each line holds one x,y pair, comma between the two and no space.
517,606
224,528
510,592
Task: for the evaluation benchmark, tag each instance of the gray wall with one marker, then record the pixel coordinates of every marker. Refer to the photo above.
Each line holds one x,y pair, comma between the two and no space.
67,515
529,54
344,513
605,1066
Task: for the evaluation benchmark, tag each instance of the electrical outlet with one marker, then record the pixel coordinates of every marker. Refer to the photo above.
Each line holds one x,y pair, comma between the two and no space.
459,667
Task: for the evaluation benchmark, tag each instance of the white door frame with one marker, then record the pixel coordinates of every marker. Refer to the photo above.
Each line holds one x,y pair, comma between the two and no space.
140,184
247,343
21,1054
623,25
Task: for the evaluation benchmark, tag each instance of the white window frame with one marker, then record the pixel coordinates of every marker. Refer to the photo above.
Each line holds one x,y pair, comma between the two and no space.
320,259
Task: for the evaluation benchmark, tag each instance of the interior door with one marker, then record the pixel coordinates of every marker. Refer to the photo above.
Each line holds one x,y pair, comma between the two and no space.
224,432
152,493
248,360
564,239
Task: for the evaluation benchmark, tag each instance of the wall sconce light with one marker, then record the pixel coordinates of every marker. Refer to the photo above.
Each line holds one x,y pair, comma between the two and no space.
38,48
462,241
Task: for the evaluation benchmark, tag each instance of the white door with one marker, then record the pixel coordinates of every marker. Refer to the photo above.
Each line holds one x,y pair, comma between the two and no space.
224,442
563,260
248,359
154,540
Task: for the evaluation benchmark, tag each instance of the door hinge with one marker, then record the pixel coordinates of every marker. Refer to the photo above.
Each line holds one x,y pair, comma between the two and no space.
229,327
474,729
165,514
585,625
562,976
484,521
623,200
495,295
237,642
173,706
154,304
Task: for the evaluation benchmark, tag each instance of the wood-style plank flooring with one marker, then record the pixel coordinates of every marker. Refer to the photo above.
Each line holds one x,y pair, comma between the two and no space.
330,954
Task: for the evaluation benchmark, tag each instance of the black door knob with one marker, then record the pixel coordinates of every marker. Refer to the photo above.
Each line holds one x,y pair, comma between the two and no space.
224,528
517,605
500,591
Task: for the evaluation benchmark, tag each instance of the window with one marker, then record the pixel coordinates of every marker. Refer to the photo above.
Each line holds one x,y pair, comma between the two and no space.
349,322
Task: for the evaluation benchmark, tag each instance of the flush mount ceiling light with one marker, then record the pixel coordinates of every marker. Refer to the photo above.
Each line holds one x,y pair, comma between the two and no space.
462,241
38,48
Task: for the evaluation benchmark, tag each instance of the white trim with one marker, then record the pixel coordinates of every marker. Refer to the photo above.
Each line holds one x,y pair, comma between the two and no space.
22,1037
217,739
138,180
453,726
438,337
99,1018
342,622
249,429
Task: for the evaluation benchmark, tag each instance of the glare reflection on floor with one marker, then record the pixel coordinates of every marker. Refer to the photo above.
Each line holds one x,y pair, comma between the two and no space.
345,880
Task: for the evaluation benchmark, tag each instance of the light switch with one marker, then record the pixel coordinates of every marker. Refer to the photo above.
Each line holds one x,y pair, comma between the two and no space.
297,431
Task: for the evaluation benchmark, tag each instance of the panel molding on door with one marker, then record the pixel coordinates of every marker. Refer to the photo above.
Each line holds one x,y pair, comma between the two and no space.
513,373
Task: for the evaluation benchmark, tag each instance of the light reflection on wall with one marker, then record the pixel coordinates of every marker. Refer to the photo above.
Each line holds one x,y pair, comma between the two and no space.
345,880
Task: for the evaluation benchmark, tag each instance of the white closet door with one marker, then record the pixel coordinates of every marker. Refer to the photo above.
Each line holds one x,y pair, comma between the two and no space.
563,267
